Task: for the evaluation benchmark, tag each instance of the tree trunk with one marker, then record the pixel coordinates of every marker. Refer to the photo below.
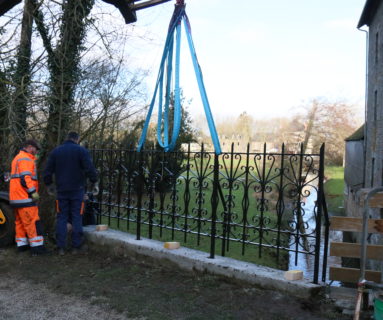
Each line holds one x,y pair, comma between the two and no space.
64,70
310,124
22,77
63,64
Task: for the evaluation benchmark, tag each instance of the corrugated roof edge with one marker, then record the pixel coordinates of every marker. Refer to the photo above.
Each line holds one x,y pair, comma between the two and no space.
368,12
357,135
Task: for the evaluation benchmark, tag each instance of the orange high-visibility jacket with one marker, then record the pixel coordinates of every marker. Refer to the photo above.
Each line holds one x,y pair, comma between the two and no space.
23,180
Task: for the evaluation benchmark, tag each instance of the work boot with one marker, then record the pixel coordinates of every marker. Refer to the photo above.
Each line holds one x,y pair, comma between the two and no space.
39,251
23,248
83,249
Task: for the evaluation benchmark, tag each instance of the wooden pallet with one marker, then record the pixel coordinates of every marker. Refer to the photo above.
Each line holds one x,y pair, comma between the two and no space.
353,250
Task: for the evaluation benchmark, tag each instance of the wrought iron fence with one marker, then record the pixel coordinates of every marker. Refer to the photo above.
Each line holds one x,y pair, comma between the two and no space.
248,199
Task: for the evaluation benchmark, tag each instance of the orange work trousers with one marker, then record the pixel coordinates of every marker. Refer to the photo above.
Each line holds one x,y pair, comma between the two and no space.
28,227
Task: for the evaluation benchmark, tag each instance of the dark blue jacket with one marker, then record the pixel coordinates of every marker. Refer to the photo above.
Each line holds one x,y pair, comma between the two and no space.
71,164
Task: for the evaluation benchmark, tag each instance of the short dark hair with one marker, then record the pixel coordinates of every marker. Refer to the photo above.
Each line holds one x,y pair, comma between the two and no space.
31,142
73,136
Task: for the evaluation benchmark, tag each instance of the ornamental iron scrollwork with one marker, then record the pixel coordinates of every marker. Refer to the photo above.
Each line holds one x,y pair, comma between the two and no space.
263,201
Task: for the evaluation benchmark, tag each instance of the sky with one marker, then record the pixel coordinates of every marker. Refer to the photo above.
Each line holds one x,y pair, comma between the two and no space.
263,57
257,56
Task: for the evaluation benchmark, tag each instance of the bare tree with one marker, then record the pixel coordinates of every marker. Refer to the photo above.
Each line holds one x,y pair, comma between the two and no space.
108,96
328,122
63,65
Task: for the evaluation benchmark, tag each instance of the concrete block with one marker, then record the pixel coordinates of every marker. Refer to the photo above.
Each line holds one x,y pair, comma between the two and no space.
195,260
101,227
293,275
171,245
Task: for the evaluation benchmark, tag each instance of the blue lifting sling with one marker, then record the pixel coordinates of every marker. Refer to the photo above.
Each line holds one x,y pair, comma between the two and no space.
165,75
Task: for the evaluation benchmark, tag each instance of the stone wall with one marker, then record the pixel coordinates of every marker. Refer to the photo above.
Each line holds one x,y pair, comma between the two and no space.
374,128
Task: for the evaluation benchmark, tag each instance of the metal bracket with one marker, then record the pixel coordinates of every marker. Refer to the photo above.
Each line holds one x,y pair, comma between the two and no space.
147,4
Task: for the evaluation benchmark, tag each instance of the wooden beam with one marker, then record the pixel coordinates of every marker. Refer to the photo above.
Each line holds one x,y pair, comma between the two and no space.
376,201
352,275
352,250
355,224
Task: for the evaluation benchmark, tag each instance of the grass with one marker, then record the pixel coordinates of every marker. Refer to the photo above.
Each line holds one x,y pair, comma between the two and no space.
334,187
237,250
251,252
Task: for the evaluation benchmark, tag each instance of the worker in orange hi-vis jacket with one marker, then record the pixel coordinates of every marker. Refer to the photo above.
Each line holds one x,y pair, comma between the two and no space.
23,196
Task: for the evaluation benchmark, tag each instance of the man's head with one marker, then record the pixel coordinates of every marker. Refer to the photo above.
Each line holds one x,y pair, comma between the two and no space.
31,146
73,136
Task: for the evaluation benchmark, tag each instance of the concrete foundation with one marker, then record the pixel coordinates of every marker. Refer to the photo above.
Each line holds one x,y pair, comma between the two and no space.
123,244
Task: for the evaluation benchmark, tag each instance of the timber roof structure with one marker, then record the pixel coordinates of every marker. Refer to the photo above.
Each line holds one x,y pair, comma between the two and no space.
357,135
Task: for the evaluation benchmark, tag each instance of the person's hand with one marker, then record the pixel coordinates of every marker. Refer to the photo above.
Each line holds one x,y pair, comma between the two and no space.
94,188
51,189
35,196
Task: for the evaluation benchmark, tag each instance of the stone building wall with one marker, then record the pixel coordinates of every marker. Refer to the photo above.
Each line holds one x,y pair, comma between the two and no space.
374,131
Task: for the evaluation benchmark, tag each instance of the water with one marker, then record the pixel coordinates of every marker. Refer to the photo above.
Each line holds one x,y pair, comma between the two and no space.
305,262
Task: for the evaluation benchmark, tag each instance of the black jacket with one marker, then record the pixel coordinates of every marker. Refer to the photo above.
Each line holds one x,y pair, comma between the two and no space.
71,164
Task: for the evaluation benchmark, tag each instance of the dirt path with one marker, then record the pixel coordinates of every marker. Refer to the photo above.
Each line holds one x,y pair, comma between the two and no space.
96,286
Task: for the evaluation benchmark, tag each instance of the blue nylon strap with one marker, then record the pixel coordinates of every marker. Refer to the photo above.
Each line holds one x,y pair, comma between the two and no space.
177,115
158,83
165,143
202,90
167,60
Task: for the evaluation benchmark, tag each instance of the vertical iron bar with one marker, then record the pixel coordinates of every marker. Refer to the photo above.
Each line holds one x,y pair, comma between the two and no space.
225,215
119,189
129,176
319,215
140,191
280,204
326,237
200,196
162,200
110,184
94,157
214,206
101,192
187,194
245,200
224,222
263,187
152,186
174,193
299,203
230,197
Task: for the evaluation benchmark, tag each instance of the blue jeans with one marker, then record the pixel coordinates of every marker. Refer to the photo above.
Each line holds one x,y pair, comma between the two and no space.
69,209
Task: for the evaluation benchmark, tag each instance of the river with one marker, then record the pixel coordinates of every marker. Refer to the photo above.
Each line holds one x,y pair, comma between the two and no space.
305,262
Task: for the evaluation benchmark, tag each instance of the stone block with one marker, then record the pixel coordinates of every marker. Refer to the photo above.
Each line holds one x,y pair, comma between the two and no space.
101,227
171,245
293,275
